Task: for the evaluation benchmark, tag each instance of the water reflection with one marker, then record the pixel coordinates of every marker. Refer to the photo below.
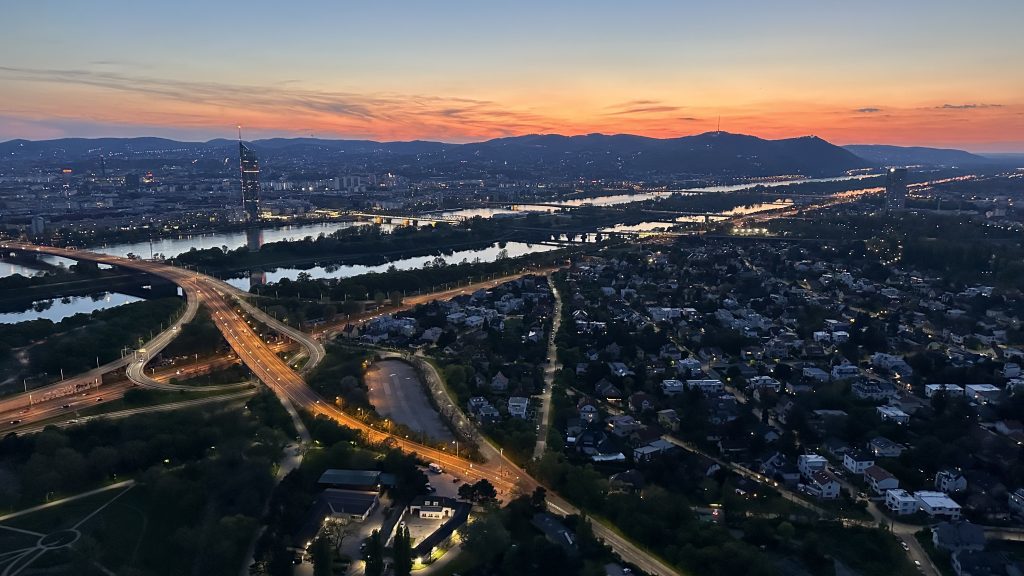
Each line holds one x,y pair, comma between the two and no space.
171,247
57,309
488,254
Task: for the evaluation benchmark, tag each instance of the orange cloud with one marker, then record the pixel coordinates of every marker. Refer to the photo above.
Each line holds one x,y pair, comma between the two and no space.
120,99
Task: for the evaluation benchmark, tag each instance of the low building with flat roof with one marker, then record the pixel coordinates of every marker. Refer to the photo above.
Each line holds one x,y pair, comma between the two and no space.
351,479
937,504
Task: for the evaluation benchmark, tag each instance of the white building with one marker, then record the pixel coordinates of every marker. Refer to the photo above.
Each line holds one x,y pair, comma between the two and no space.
822,484
857,461
880,480
982,393
891,414
517,406
672,387
900,502
707,387
950,389
937,504
808,464
764,383
845,371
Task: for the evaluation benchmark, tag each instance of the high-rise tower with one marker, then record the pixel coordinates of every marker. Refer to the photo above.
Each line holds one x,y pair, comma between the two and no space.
895,189
250,168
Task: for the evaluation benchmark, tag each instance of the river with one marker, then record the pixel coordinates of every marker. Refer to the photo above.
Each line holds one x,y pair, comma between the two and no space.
57,309
488,254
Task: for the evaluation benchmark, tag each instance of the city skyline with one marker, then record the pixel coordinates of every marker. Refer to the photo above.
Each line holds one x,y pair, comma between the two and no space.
921,73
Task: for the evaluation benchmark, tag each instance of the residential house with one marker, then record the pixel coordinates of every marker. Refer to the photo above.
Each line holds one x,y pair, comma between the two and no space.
640,402
622,426
620,369
651,451
810,463
608,391
588,411
764,383
880,480
948,389
1016,501
432,507
857,461
892,414
707,387
877,391
950,481
982,393
815,374
937,504
982,563
669,419
882,447
672,387
958,536
900,502
499,383
822,484
844,371
518,406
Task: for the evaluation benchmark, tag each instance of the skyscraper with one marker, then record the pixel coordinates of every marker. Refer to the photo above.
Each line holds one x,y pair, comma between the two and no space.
250,167
895,189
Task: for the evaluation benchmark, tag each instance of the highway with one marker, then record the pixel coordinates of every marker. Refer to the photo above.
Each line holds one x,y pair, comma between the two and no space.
243,395
293,392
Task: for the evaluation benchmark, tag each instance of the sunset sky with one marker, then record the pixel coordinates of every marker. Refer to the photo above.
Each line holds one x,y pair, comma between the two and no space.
909,72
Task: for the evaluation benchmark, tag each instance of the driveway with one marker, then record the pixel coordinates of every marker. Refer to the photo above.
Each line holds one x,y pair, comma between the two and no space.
397,393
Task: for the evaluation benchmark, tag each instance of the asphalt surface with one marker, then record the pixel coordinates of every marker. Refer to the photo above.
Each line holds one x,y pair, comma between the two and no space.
550,369
396,392
75,420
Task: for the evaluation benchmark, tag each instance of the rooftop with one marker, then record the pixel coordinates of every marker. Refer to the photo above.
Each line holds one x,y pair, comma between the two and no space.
335,477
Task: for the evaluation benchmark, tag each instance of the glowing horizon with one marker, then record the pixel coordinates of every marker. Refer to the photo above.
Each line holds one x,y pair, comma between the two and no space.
923,73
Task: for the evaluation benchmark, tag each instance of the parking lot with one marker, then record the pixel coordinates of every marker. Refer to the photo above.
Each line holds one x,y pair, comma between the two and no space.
396,392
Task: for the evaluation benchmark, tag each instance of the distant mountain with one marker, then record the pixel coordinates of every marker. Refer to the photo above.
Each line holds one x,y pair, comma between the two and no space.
881,155
591,155
75,148
718,153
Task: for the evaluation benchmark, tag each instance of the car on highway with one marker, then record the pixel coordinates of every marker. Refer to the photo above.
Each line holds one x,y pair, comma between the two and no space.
66,406
905,545
15,421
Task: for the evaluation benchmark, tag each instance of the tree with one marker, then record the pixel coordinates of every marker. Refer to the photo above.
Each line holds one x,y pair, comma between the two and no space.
485,491
396,298
486,538
403,552
322,557
539,499
378,298
786,531
480,492
374,555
